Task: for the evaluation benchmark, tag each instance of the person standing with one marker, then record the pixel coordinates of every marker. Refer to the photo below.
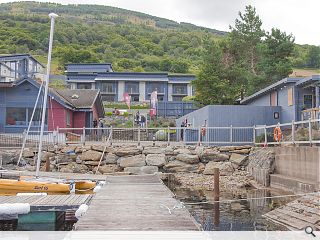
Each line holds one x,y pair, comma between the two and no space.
143,121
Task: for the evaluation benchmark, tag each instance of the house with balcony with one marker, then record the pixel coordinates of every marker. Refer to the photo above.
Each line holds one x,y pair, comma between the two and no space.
20,66
298,97
139,85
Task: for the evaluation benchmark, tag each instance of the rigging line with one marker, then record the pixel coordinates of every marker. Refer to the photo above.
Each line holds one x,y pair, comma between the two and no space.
30,122
257,198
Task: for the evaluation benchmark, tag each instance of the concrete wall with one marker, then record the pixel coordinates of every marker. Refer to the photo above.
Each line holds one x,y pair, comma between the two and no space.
298,168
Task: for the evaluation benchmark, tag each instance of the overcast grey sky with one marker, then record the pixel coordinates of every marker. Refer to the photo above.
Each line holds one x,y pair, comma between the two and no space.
301,18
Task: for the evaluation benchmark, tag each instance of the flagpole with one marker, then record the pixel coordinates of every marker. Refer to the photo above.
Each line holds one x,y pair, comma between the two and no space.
45,97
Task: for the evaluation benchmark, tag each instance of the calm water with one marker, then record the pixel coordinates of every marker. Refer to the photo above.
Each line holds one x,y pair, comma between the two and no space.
242,215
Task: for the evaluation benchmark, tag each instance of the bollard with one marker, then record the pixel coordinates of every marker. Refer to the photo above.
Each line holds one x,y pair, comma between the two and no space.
216,196
48,165
216,189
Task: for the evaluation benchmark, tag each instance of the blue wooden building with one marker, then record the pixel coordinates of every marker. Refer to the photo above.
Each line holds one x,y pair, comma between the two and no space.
298,97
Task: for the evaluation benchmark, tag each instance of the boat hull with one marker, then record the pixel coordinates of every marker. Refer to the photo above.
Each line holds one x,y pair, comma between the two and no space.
10,185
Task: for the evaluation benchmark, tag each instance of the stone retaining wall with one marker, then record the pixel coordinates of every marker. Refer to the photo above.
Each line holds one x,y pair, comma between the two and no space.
131,159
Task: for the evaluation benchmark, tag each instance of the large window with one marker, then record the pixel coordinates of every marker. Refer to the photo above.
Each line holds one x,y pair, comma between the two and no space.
154,86
16,116
108,88
308,101
22,116
177,98
108,98
36,121
180,89
134,98
83,85
132,87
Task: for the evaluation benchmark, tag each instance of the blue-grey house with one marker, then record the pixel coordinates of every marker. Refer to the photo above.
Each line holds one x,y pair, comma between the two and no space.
139,85
66,108
19,66
298,97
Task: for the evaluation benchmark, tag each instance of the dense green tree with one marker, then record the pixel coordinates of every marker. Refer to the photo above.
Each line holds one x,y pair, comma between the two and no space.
211,85
276,63
313,57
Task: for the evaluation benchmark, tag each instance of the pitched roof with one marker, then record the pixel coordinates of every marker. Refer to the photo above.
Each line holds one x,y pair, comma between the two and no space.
269,88
14,57
78,98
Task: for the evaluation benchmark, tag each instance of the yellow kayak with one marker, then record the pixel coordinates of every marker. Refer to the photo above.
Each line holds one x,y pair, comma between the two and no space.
33,186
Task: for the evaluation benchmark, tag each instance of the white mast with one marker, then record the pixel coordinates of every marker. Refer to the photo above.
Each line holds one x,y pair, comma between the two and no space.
45,97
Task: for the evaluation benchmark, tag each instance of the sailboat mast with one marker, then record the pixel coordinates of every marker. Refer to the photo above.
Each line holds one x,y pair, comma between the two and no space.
45,97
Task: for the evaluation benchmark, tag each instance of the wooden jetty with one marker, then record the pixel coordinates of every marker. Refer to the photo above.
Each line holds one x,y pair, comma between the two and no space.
49,202
136,203
298,214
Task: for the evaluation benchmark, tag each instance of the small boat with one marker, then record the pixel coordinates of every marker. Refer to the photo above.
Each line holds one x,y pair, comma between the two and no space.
34,185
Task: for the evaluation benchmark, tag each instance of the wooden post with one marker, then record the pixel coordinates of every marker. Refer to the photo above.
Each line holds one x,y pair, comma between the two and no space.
84,136
216,188
216,197
168,129
139,136
111,135
310,131
48,164
254,134
292,131
265,135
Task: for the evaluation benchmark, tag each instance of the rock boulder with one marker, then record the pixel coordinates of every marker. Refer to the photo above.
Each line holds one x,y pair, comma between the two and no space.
158,160
187,158
133,161
91,155
226,168
127,151
213,155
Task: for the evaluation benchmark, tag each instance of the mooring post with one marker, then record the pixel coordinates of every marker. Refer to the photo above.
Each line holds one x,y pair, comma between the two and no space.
216,189
48,164
216,196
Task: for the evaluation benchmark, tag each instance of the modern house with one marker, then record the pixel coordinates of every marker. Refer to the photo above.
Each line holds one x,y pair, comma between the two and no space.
298,97
19,66
290,99
66,108
139,85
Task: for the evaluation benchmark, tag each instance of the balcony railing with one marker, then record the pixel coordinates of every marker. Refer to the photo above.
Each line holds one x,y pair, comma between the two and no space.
311,113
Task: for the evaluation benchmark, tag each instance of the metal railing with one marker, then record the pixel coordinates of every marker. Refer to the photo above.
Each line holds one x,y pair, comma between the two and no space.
301,132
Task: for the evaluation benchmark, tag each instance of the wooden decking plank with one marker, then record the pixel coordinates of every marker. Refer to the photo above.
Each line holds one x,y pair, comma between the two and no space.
134,203
49,202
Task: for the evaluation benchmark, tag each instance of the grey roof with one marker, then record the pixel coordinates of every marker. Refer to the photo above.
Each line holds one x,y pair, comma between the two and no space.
181,78
16,57
270,88
78,98
89,68
308,80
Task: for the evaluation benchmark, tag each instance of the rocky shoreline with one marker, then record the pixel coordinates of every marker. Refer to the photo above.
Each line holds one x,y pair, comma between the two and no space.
192,165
